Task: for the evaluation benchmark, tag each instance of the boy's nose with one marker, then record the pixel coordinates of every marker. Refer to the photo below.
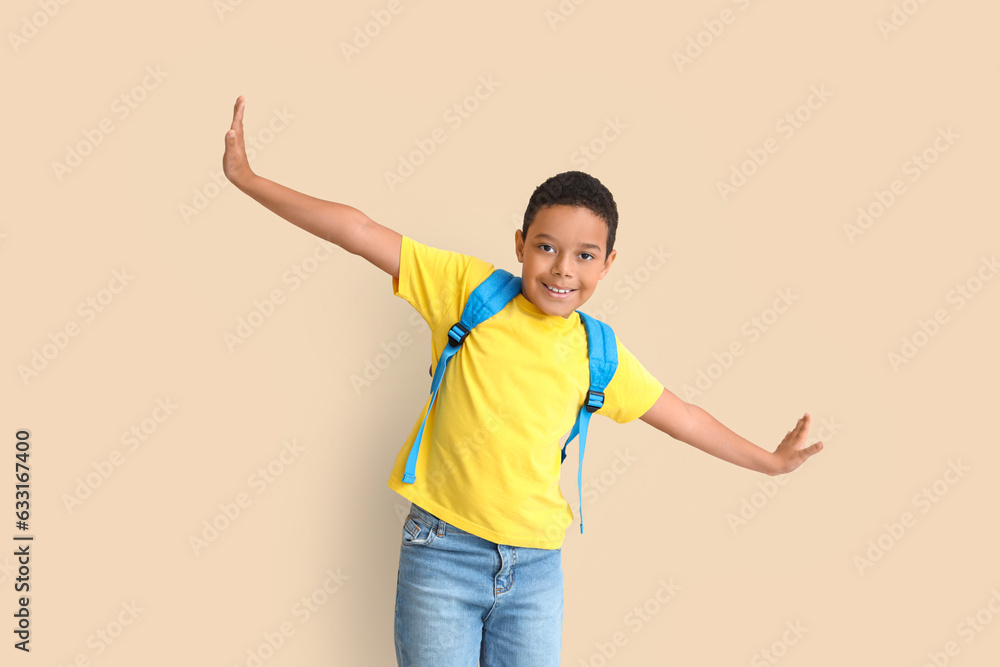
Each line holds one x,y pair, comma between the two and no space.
563,267
562,271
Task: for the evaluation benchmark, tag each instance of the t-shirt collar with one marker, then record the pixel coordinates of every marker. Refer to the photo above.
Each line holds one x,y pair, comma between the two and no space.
555,320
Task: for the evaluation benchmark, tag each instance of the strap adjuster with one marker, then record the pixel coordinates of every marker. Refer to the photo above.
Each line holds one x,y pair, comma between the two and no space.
457,334
595,400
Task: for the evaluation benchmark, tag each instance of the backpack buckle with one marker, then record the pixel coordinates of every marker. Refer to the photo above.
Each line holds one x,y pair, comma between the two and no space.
595,400
457,334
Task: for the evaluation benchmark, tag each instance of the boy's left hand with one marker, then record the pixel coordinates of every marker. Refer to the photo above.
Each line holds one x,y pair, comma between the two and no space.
792,451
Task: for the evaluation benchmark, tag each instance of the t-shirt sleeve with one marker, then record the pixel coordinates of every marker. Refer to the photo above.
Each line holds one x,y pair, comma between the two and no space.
632,391
437,282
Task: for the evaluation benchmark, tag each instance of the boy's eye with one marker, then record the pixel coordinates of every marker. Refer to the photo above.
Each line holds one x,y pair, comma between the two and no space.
545,247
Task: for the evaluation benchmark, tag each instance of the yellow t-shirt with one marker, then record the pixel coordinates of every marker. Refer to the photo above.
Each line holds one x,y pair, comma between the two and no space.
489,459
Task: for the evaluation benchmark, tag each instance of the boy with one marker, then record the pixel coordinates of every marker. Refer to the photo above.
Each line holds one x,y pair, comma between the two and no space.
480,575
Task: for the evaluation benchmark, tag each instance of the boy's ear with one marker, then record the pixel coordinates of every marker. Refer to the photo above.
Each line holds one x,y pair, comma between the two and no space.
607,264
519,246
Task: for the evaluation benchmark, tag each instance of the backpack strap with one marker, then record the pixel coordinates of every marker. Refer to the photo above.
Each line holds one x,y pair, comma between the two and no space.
603,353
488,299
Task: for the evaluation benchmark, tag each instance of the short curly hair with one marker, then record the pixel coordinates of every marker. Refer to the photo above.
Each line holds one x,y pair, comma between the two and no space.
574,188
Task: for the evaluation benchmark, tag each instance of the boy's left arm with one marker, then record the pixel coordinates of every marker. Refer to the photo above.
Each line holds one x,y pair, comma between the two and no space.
691,424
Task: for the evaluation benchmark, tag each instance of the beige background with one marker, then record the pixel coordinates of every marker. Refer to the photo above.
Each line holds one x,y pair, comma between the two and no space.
143,201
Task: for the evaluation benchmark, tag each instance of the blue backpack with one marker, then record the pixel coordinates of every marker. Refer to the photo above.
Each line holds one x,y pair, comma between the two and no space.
487,300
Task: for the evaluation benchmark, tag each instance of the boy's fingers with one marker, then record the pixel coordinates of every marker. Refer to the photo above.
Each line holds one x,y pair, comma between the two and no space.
803,425
814,448
238,113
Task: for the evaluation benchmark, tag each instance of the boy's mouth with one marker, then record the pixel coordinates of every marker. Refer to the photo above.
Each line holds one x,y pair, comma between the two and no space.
556,293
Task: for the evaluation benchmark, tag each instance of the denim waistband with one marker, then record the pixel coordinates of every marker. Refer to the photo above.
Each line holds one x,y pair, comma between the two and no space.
439,526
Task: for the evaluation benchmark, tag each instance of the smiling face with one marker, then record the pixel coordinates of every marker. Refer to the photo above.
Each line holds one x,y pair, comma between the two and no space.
564,250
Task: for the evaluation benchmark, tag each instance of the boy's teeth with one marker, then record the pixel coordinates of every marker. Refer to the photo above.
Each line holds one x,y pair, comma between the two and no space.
559,291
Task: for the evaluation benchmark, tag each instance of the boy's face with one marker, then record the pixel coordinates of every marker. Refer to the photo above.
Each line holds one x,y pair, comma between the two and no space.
565,249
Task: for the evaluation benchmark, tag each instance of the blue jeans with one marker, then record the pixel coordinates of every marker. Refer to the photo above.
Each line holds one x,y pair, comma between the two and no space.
462,599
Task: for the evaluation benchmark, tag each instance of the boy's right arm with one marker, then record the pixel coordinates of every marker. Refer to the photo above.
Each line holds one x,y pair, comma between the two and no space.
339,224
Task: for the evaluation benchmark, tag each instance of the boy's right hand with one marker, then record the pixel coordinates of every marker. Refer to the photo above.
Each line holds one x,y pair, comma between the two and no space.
234,163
